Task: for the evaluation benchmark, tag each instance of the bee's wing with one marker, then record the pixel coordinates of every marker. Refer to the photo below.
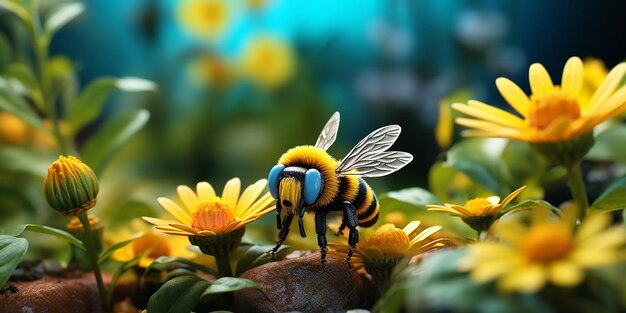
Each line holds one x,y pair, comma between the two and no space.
370,158
329,133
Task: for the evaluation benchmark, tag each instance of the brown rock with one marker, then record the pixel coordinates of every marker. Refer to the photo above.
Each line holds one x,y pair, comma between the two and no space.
52,295
302,285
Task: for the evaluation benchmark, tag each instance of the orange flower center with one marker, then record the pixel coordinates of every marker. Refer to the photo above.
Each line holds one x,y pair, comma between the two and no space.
159,246
549,107
212,215
547,242
389,239
477,206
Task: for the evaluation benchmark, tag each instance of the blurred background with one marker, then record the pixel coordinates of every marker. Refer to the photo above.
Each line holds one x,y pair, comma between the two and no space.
241,81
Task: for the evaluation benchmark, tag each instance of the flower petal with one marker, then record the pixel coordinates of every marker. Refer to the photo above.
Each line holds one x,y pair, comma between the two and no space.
572,79
184,228
512,196
264,202
230,195
565,274
514,95
489,113
176,211
527,278
157,221
592,225
250,195
612,80
205,191
188,197
425,233
540,81
411,227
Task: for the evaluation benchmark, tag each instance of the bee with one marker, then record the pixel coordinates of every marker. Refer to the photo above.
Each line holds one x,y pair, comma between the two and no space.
308,180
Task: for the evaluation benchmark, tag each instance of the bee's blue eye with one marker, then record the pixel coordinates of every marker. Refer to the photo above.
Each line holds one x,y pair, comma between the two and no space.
312,186
272,179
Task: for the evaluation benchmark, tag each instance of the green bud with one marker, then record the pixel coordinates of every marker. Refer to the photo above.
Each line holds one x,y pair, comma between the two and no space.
71,186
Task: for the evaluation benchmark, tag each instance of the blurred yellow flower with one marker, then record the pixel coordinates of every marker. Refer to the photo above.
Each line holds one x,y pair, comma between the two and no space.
552,113
158,244
594,73
479,213
256,4
212,70
268,62
206,19
445,126
205,214
525,259
12,129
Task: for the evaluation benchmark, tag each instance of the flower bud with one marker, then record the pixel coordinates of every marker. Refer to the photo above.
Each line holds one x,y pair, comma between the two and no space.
71,186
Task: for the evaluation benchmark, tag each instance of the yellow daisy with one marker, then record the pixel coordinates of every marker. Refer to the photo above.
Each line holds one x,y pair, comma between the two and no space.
479,213
268,62
549,251
12,129
202,213
158,244
204,18
382,250
551,113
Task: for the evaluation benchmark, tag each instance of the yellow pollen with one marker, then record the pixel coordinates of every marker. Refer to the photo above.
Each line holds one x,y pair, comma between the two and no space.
159,246
389,237
547,108
477,206
547,242
213,215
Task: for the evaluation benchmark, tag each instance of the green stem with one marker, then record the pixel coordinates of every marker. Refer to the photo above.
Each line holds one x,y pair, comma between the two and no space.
223,265
577,186
93,258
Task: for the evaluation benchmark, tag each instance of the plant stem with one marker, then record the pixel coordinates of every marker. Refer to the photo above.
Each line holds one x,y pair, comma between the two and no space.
577,186
223,265
93,258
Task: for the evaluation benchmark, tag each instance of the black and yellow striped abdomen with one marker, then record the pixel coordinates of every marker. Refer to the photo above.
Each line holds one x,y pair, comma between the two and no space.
356,191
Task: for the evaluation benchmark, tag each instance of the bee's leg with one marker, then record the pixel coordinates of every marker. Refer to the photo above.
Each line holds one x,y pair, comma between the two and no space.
342,226
320,230
301,223
351,219
282,235
278,208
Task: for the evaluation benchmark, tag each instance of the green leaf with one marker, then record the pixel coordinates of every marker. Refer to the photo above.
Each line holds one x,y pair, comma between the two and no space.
111,137
256,255
16,8
613,197
11,91
19,159
12,250
416,196
165,262
50,231
107,253
26,77
90,102
6,51
61,15
180,294
229,284
609,145
480,160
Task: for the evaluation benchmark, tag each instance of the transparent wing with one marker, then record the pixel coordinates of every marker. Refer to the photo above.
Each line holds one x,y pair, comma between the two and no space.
329,133
370,158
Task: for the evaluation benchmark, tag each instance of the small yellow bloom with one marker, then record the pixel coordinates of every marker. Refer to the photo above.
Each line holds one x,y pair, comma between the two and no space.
204,214
206,19
156,243
445,128
12,129
525,259
479,213
212,70
70,187
552,113
268,62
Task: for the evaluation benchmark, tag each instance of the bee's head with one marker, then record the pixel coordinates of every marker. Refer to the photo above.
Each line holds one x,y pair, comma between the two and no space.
294,186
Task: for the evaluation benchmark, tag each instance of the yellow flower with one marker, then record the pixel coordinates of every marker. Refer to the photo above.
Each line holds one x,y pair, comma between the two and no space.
445,128
268,62
70,187
204,18
204,214
525,259
387,245
12,129
552,113
211,70
158,244
479,213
